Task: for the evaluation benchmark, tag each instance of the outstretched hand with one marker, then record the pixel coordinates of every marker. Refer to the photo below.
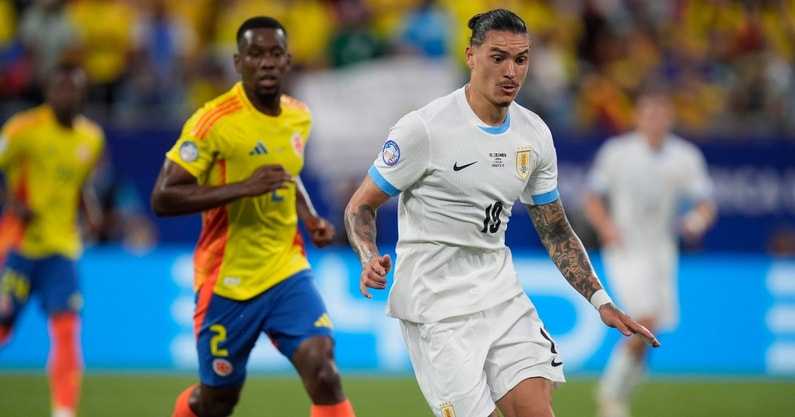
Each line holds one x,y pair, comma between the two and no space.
613,317
374,274
20,210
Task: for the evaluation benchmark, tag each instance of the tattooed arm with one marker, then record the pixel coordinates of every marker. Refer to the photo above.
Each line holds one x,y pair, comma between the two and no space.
564,247
360,225
569,255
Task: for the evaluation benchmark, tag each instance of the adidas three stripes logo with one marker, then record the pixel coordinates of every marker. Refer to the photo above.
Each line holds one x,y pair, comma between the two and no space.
259,149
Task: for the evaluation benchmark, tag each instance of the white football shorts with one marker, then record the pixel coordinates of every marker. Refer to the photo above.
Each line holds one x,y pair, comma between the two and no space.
645,284
464,364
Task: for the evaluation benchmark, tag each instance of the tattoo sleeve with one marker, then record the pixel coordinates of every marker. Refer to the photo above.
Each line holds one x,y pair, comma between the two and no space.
564,247
360,226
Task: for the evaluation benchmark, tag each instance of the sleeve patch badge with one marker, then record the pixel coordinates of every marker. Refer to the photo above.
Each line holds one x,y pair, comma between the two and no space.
298,143
391,153
188,151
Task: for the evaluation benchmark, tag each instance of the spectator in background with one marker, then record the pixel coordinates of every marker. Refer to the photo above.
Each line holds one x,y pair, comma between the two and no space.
47,155
48,37
164,55
426,31
14,70
105,32
208,80
637,185
554,68
354,39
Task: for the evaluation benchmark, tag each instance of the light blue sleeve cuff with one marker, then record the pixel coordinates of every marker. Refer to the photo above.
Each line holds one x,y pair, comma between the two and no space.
381,182
546,198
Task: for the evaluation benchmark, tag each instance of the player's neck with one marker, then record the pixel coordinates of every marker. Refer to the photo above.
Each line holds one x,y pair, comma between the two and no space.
486,111
266,104
653,139
65,121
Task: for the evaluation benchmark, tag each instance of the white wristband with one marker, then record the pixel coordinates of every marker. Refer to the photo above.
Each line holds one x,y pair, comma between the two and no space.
599,299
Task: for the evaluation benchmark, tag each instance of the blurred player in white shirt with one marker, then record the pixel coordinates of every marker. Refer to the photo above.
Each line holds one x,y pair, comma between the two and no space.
637,187
458,165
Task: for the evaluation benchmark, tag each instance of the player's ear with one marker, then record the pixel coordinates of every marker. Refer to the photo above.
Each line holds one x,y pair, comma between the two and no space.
470,57
236,60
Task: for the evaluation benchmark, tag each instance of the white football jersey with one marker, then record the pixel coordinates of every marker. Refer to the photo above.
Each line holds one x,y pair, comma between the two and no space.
458,180
647,188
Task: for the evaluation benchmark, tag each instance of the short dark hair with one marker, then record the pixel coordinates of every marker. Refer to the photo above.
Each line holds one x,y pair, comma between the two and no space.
66,68
259,22
497,19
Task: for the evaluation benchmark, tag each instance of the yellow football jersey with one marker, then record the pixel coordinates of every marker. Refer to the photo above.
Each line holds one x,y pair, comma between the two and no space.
251,244
46,166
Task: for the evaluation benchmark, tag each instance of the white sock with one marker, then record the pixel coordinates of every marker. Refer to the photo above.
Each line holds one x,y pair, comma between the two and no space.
63,412
624,372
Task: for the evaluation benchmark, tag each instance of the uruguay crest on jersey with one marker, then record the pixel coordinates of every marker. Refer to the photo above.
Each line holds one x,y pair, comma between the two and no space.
523,161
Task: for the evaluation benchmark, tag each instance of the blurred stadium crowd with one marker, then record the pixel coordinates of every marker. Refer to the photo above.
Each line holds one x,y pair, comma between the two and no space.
729,62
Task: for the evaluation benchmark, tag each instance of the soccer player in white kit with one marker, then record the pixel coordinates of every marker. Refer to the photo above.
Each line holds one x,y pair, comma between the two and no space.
458,164
637,187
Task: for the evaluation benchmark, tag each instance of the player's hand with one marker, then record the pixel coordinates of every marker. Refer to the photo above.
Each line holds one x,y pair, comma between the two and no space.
20,210
321,231
613,317
692,226
374,274
266,179
610,236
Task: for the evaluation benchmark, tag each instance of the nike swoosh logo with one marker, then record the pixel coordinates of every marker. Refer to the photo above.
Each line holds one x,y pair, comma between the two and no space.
556,363
457,167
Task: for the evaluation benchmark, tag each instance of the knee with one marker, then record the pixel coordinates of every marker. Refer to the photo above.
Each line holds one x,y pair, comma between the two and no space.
327,378
322,369
315,363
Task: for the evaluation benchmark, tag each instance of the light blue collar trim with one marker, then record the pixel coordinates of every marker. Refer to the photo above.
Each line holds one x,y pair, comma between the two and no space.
496,130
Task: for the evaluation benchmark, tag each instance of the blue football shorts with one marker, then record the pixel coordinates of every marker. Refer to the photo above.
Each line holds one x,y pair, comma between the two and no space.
288,313
52,279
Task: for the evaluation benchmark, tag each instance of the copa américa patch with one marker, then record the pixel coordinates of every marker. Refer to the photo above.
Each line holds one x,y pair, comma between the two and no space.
188,151
390,153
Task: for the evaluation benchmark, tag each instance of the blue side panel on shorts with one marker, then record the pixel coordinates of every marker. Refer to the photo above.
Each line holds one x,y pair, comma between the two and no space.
52,279
288,313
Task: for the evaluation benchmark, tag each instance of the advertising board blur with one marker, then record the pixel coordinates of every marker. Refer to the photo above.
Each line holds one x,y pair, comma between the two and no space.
738,317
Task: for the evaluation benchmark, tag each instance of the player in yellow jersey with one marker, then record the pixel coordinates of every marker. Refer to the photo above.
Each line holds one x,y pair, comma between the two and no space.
47,155
238,162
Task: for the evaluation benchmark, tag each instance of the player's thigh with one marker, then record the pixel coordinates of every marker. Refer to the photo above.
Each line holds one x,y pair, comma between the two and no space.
297,314
226,333
58,286
16,286
448,359
522,348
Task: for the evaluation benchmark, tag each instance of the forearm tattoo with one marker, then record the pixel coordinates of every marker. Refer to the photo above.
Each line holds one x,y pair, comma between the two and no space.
360,226
564,247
